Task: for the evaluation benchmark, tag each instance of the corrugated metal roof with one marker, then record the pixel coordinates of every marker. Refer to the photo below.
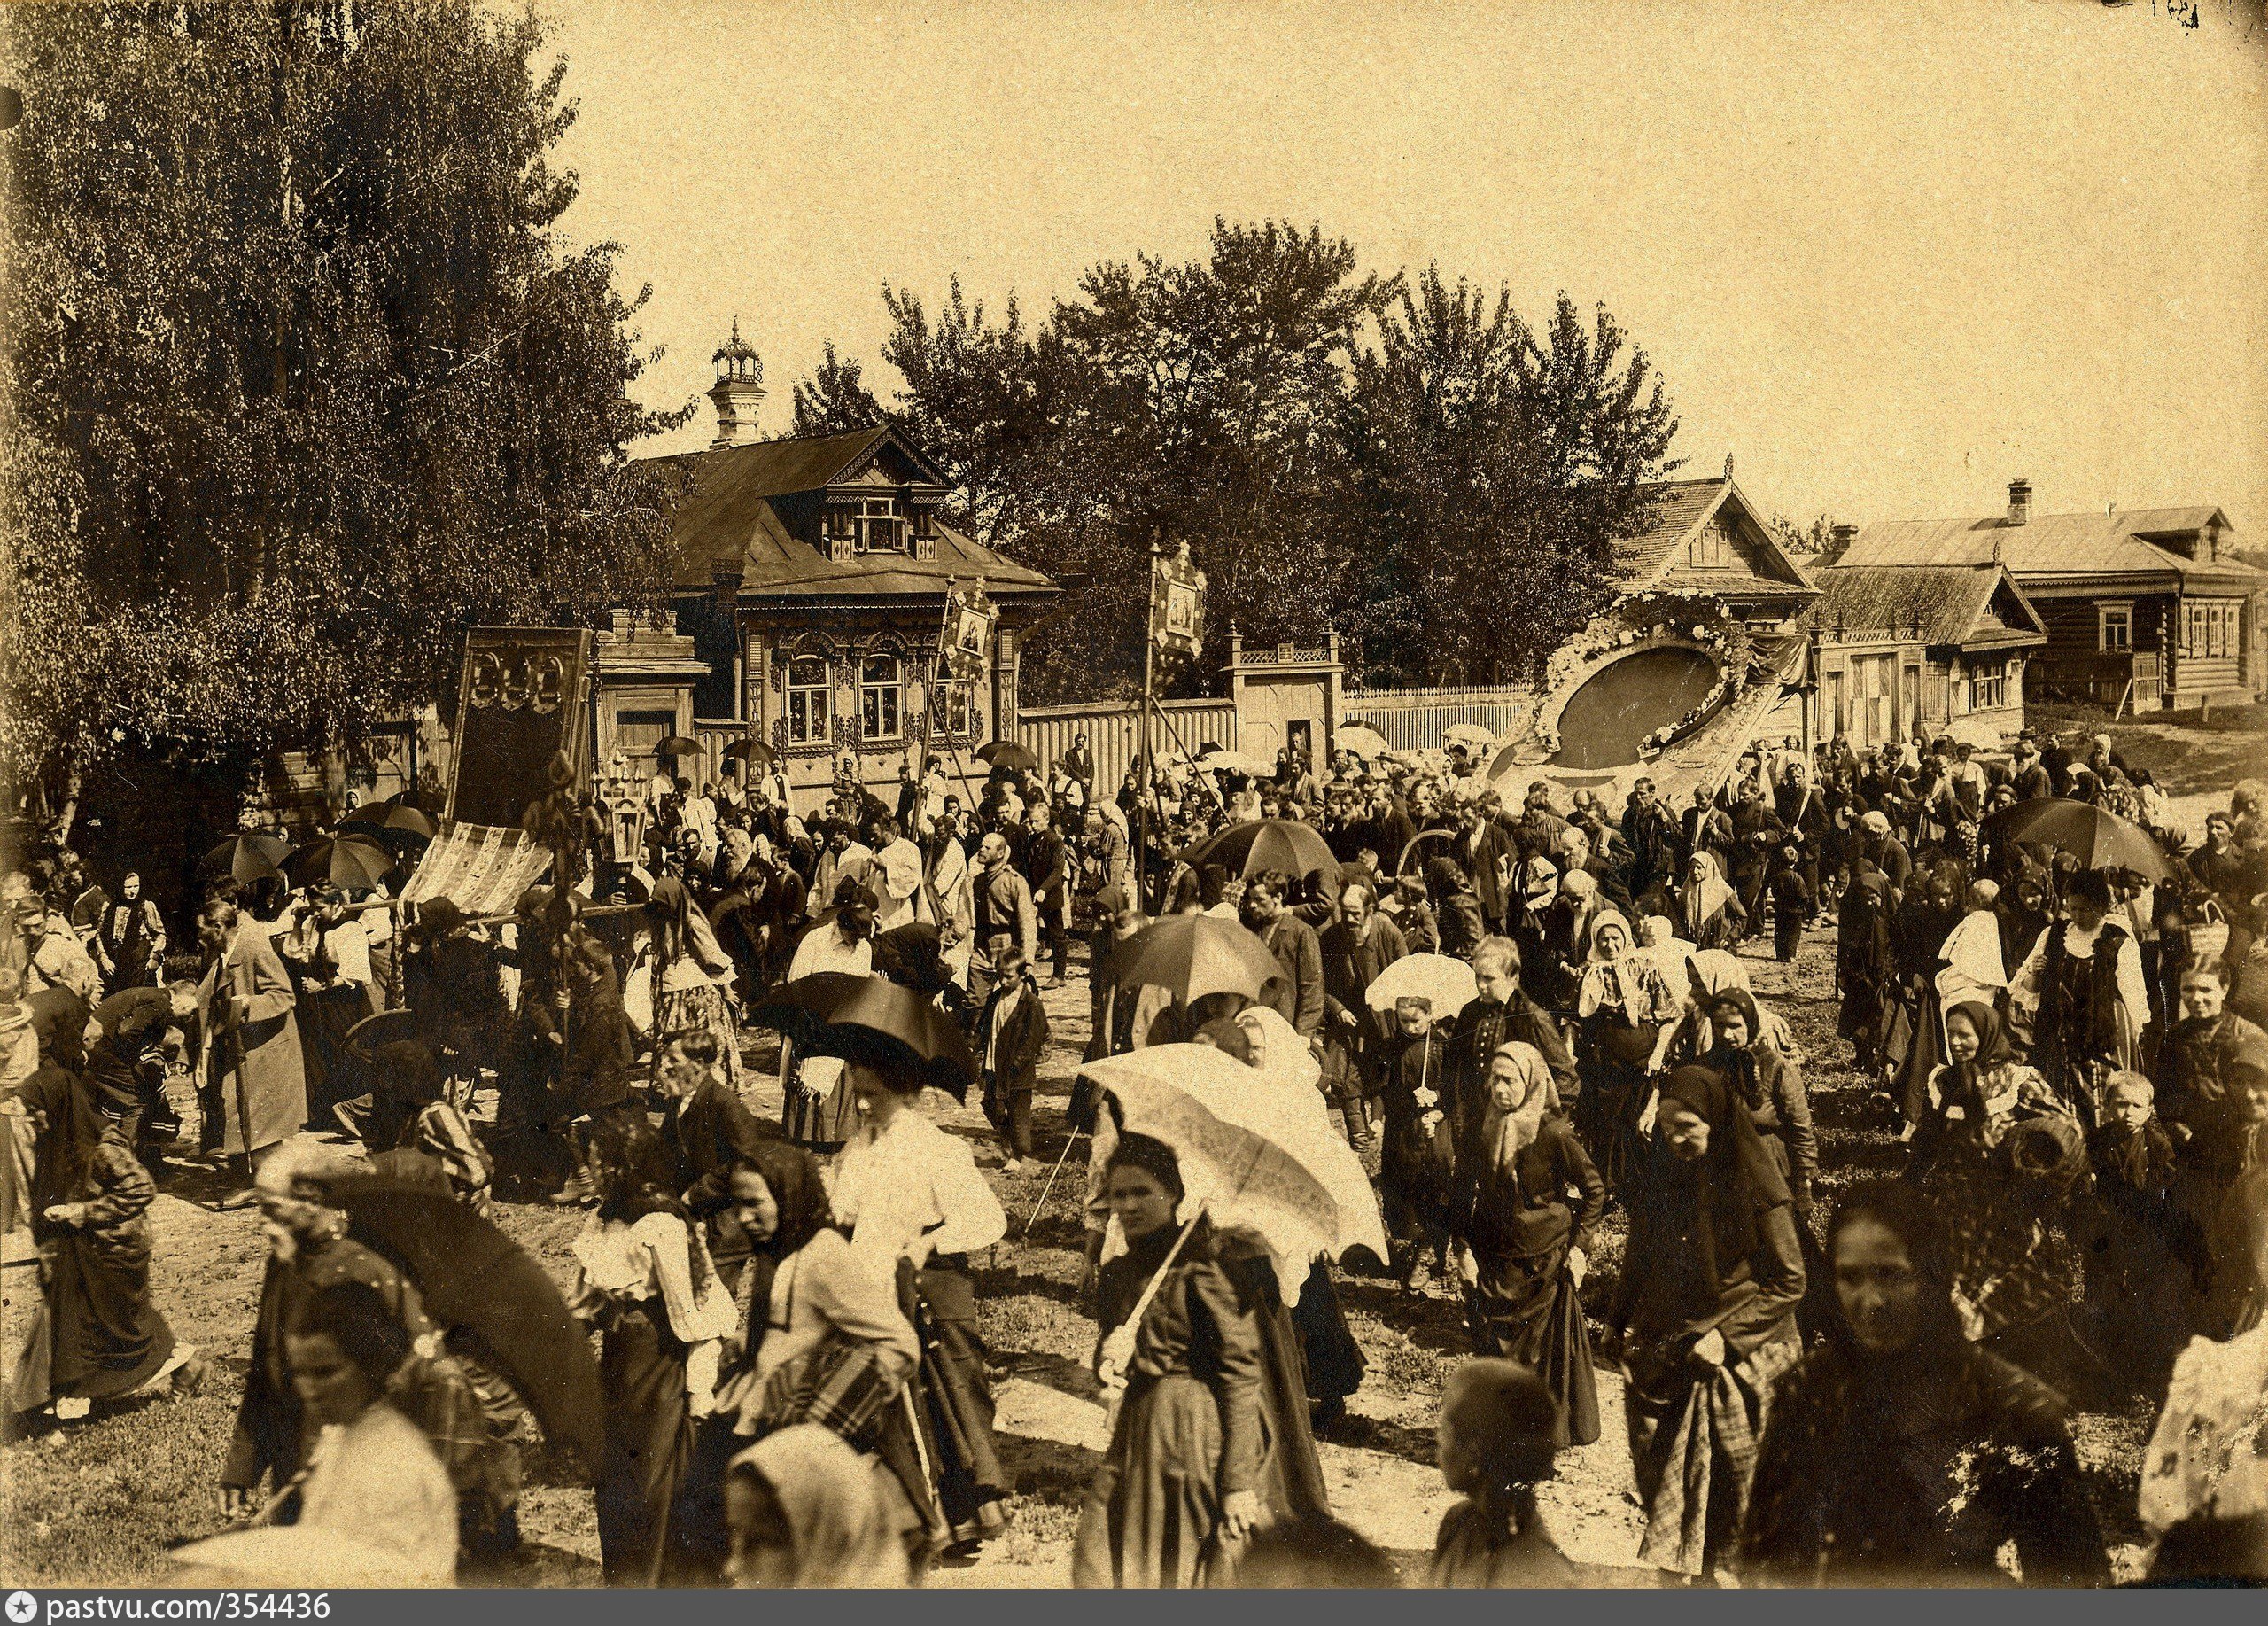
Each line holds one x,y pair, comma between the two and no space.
2049,544
724,513
1948,602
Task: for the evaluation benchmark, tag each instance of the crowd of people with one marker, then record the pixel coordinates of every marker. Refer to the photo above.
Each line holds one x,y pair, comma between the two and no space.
1525,1012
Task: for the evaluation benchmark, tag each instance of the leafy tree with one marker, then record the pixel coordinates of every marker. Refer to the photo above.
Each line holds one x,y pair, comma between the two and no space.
836,398
1412,465
1814,541
299,383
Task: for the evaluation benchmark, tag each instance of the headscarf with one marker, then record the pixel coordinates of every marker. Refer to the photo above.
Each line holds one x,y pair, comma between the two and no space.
1704,898
686,931
838,1527
1539,879
1739,1179
1594,954
1444,879
443,1134
1504,1135
1739,1064
793,1179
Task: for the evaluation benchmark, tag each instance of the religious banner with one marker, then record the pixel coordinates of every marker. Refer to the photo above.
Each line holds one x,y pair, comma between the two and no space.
1176,605
525,698
969,617
522,744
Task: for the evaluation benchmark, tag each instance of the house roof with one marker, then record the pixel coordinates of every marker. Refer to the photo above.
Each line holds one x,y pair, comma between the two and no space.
724,514
2112,544
1680,509
1970,605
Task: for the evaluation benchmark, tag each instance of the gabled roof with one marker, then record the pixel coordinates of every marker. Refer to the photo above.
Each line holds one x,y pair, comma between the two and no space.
1680,509
2113,544
1968,605
724,514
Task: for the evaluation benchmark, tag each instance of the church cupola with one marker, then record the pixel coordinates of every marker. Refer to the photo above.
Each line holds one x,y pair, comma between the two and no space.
738,392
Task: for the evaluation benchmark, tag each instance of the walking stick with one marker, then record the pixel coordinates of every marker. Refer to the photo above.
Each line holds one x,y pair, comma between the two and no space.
1050,1187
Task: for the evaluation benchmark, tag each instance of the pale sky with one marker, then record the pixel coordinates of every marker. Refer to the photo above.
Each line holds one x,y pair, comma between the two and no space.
1889,253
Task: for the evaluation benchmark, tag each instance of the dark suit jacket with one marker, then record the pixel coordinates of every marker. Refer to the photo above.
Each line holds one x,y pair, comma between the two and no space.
708,1129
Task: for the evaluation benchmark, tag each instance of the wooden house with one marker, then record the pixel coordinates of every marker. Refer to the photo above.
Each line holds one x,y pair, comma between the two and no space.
1904,651
2144,609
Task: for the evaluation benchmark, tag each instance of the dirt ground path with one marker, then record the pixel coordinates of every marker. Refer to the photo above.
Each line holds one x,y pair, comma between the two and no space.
103,1502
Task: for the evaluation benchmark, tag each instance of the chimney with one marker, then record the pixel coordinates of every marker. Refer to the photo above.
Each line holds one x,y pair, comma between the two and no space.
2019,501
738,392
724,577
1844,535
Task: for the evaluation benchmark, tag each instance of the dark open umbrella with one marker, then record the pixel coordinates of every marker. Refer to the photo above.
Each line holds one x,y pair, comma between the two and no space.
874,1020
749,751
249,856
351,863
1191,956
1258,844
2097,839
391,820
1007,754
677,745
474,1278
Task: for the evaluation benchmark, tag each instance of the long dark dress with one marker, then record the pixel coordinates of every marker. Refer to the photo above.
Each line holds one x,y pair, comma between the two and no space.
1413,1159
1917,1476
1521,1226
648,1443
1212,1406
1713,1247
108,1339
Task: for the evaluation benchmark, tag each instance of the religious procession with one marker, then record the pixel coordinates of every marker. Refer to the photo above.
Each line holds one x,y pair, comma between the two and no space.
1258,935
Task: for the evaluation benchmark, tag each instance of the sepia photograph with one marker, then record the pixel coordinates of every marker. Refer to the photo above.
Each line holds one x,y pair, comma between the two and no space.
1197,794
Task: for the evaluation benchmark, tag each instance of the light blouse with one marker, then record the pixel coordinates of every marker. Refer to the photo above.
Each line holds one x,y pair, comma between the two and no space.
913,1189
827,1284
652,1258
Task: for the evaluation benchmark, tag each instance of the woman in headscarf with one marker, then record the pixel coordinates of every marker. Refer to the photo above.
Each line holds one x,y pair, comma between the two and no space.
1209,1437
1970,1100
1770,1085
801,1288
1712,1277
1863,965
1900,1454
644,1280
130,941
805,1511
694,977
1557,979
1622,1004
2013,1216
1708,911
1523,1247
87,1206
1456,910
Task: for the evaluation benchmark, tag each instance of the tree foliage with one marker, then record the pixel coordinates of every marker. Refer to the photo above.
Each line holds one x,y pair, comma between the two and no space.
1409,462
1812,541
299,382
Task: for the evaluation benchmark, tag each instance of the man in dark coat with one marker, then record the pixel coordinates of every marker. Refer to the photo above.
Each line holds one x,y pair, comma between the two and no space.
1046,870
1297,991
1651,833
705,1131
2032,779
123,1066
1487,856
1356,949
1010,1032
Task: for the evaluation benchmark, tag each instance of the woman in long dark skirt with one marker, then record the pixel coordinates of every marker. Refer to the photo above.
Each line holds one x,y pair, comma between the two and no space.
1522,1246
1710,1280
89,1202
1622,1004
1206,1443
643,1277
